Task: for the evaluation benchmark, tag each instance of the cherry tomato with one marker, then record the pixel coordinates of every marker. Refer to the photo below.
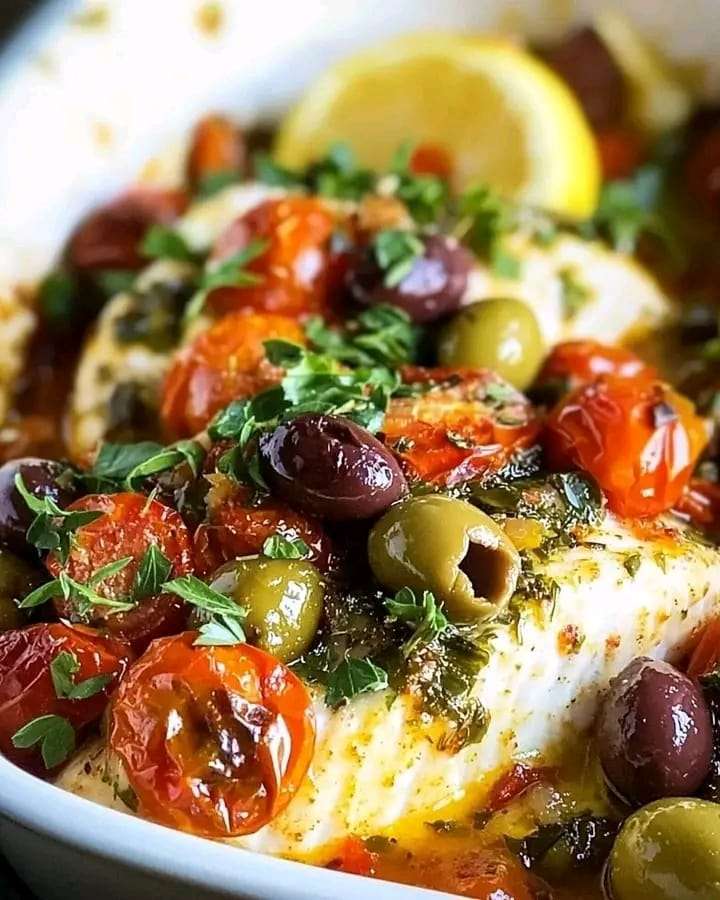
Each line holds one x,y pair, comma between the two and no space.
575,363
513,783
215,740
110,237
294,266
27,690
224,363
621,151
466,423
130,525
217,147
702,172
705,658
638,438
238,527
432,159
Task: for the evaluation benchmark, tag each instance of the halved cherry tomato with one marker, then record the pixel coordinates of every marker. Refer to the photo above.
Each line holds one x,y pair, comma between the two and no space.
431,159
215,740
487,873
705,658
700,502
621,151
238,527
575,363
513,784
294,267
130,525
224,363
109,238
217,147
638,438
26,686
462,423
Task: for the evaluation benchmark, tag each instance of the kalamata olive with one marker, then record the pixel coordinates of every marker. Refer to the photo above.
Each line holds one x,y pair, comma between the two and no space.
449,547
40,477
668,850
654,733
331,467
433,287
283,599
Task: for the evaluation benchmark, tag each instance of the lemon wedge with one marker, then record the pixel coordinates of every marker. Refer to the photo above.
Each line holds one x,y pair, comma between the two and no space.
503,117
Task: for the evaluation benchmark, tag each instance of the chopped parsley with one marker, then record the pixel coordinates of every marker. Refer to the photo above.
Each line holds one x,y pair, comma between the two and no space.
57,298
63,668
575,295
277,546
231,272
382,335
422,613
55,735
121,467
161,242
224,615
396,252
352,678
153,571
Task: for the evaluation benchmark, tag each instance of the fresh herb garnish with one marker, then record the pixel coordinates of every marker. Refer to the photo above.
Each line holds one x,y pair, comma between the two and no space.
422,613
632,563
115,281
52,528
57,298
277,546
225,616
214,182
584,841
55,735
63,668
353,677
485,218
396,252
230,272
153,571
125,466
161,242
575,295
425,196
382,335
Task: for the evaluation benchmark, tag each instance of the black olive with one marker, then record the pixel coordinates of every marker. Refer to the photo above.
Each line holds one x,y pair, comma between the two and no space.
654,733
331,467
40,477
433,287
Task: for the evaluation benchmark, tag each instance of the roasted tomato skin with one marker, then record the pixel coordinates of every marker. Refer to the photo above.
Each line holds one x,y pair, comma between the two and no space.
217,146
238,527
293,269
455,430
224,363
621,150
638,438
572,364
700,502
26,686
130,524
706,655
110,237
242,737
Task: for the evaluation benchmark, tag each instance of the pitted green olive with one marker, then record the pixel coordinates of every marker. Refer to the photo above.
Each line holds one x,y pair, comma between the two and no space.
668,850
17,579
449,547
283,599
500,334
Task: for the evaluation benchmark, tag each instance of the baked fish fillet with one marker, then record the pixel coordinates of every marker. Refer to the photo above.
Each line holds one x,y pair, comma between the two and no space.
378,768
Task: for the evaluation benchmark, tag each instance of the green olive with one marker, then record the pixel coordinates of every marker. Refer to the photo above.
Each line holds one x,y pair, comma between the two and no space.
283,599
501,334
668,850
449,547
17,579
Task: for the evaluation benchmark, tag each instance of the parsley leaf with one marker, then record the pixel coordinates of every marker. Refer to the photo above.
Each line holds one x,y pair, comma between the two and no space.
220,631
381,335
55,735
41,595
56,298
115,461
231,272
152,573
62,669
574,293
484,219
425,196
226,616
188,452
161,242
214,182
124,466
338,175
277,546
422,613
396,252
353,677
270,172
115,281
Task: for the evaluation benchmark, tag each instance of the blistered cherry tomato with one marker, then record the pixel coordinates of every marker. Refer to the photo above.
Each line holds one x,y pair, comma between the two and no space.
215,740
572,364
621,151
432,159
700,502
27,690
293,269
217,147
110,237
130,524
706,655
638,438
238,527
224,363
467,422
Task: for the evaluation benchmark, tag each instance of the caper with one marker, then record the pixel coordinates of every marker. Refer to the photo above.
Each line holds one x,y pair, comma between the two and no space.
668,850
449,547
283,599
17,579
500,334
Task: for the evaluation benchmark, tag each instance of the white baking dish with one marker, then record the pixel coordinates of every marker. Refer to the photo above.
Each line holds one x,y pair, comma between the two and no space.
80,109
